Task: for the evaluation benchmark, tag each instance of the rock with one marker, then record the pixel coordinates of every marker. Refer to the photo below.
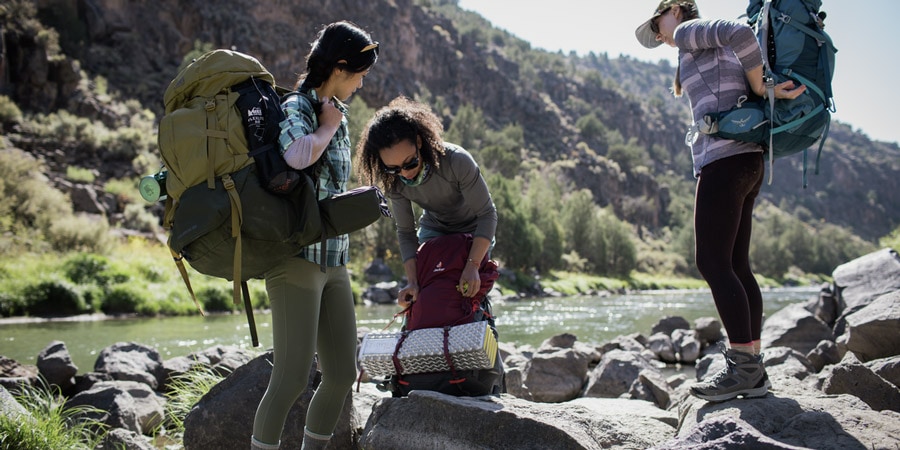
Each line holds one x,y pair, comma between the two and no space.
887,368
873,331
686,344
854,378
9,407
825,353
556,376
709,330
615,374
121,439
807,421
668,324
129,361
660,344
724,433
795,327
862,280
110,404
504,422
223,418
54,363
378,271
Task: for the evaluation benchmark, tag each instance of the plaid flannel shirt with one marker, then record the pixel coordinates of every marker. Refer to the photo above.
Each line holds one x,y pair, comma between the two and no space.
301,120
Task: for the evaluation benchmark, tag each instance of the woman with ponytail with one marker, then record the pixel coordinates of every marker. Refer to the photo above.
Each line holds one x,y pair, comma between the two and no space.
313,312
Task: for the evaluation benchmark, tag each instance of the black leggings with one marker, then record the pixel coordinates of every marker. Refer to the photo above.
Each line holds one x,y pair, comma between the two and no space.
723,212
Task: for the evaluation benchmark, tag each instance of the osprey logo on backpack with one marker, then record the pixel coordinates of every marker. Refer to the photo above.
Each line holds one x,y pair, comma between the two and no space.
794,47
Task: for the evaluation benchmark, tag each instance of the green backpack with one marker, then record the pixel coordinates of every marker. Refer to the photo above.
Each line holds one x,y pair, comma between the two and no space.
223,215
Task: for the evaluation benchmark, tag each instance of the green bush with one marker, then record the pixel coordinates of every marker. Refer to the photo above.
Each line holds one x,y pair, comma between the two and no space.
124,299
11,303
9,112
54,298
49,424
85,268
216,299
80,233
80,175
137,217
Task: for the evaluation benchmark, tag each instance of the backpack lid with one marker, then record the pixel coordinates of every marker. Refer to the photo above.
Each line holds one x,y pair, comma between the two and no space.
211,73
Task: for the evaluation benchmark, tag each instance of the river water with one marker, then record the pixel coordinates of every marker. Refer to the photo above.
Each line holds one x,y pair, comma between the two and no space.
592,319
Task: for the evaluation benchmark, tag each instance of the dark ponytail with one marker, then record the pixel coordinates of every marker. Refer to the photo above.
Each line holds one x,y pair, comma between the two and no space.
338,45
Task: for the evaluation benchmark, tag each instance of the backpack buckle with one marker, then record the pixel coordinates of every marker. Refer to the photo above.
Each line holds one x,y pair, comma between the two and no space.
210,104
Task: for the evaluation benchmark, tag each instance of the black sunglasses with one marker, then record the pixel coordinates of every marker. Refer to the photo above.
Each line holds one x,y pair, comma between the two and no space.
412,164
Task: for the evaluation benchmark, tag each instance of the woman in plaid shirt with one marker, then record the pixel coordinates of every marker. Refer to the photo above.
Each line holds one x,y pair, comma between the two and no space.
312,303
719,61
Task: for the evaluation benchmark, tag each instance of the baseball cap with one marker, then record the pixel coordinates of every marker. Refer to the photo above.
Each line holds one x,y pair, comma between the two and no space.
644,34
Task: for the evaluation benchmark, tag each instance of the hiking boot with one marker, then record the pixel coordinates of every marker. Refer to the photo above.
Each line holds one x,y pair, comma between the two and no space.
744,375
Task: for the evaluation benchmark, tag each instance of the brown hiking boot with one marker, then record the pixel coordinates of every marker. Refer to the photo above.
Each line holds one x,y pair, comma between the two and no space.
744,375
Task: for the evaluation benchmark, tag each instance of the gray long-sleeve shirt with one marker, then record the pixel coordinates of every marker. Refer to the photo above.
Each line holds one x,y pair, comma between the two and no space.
454,198
714,56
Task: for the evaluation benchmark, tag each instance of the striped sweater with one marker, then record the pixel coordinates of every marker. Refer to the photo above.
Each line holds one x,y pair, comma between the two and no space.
714,56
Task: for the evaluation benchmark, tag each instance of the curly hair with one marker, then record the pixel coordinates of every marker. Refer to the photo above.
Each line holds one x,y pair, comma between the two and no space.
401,120
338,45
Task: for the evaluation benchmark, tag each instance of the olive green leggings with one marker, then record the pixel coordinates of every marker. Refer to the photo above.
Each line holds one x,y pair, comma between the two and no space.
311,311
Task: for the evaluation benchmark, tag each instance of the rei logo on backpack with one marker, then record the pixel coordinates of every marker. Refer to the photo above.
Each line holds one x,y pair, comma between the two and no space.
794,47
234,208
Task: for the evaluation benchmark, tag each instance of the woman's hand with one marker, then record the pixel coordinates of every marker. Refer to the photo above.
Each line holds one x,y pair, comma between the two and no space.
470,281
408,295
788,91
330,116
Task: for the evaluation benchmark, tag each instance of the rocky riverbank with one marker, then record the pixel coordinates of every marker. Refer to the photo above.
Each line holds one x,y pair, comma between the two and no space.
834,362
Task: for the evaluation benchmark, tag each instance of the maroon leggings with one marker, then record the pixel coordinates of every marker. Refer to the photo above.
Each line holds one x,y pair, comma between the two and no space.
723,212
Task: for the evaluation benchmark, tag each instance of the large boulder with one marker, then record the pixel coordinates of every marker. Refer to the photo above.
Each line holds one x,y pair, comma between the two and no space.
796,327
223,418
130,361
873,331
862,280
55,364
432,420
838,422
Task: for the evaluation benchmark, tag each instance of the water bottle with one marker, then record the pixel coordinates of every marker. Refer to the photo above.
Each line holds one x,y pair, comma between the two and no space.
153,187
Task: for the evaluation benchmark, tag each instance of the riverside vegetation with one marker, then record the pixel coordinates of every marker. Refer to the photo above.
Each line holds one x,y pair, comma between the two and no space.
76,238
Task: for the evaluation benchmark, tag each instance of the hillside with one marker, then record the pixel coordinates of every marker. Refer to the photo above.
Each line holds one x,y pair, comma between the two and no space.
605,124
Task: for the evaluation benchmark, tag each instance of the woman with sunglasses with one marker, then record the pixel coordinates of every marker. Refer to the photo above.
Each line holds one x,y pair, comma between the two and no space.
312,305
401,149
718,62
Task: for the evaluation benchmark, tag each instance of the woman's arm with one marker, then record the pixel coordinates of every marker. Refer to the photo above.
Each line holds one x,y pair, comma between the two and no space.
302,145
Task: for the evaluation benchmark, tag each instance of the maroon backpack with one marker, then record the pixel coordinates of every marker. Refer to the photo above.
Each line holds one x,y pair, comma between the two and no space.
439,264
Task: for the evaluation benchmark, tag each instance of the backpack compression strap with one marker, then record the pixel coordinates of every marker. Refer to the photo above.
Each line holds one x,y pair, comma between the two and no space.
239,285
179,261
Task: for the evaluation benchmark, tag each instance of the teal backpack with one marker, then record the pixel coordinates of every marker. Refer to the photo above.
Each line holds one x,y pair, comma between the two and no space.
794,47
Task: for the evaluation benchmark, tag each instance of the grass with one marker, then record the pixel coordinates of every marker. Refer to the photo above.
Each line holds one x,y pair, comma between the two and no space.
47,424
184,392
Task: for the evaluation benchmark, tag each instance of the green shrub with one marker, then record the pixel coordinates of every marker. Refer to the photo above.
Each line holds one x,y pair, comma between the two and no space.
9,111
124,299
49,423
54,298
80,175
28,204
137,217
85,268
80,233
216,299
11,303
